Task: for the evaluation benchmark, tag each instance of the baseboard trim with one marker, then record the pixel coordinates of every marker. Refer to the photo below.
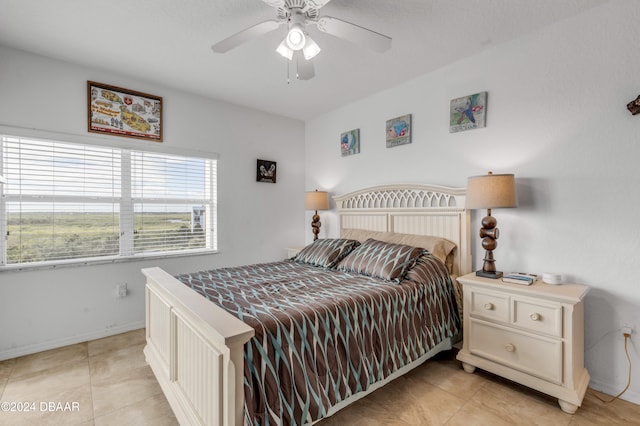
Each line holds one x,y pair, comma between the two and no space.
72,340
629,395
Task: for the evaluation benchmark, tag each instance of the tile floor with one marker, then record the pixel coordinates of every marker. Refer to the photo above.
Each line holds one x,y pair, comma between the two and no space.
108,379
107,382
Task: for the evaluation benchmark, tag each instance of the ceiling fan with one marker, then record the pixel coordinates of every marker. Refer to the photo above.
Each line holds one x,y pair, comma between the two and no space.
298,45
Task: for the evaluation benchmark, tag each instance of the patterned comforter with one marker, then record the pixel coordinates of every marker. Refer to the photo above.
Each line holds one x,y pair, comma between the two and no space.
323,335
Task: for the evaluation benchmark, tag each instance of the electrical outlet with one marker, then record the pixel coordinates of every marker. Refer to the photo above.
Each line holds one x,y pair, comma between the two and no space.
121,290
626,329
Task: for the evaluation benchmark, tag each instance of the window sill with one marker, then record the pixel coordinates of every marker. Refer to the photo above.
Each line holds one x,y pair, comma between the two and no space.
100,261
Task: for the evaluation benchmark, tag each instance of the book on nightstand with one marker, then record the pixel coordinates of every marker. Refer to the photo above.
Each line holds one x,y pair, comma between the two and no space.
519,278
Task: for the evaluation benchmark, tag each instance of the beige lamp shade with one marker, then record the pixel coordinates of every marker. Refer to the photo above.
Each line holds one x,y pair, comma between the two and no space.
316,200
491,191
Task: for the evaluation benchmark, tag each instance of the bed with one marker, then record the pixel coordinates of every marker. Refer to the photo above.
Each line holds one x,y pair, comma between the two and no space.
197,349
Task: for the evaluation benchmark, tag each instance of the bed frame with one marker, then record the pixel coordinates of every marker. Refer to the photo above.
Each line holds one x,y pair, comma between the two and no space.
195,348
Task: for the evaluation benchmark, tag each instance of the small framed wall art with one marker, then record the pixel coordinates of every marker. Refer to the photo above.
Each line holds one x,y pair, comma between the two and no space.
266,171
399,131
123,112
350,142
468,112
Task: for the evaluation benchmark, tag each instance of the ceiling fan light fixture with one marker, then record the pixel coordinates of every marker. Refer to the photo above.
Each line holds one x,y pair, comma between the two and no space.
310,49
284,50
295,37
297,46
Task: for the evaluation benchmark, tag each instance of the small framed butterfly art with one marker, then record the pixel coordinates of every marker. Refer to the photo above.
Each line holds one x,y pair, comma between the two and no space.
266,171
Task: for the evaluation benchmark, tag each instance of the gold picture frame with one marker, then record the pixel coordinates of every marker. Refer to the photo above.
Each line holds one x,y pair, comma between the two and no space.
122,112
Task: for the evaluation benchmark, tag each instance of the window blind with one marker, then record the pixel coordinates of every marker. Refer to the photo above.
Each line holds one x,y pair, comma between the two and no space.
172,202
70,201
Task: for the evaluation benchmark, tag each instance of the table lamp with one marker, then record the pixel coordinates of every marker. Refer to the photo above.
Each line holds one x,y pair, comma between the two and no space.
489,192
316,200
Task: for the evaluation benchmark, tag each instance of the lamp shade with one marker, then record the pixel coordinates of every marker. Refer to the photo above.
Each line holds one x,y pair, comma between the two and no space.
284,50
316,200
491,191
310,49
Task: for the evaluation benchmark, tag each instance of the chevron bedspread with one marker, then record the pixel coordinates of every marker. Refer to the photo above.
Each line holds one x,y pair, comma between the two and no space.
323,335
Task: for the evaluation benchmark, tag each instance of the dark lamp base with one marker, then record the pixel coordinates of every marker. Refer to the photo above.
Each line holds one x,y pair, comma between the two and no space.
493,275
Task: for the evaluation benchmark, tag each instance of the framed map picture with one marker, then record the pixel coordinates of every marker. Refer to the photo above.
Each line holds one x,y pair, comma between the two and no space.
468,112
399,131
350,142
122,112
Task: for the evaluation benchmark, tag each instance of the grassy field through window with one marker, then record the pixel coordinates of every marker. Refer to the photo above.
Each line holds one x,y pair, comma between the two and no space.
36,237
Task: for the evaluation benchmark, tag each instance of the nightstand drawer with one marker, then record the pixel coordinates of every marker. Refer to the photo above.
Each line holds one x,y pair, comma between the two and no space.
531,354
489,305
538,317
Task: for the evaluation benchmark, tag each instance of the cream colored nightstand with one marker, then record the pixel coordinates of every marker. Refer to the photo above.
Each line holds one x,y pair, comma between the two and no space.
292,251
533,335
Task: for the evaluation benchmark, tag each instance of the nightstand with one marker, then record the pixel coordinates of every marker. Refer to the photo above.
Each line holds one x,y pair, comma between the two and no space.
533,335
292,251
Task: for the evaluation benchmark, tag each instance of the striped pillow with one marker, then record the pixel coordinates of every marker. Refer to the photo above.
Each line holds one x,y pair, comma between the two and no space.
326,252
381,260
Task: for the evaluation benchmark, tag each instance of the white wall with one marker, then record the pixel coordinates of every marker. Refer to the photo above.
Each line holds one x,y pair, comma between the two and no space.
256,221
557,118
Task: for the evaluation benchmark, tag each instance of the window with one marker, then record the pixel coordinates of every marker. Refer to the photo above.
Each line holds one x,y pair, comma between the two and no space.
70,202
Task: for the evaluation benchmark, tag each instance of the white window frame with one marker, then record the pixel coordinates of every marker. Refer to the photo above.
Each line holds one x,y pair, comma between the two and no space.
126,201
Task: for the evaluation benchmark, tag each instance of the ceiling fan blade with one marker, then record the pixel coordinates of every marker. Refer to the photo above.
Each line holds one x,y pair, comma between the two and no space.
354,33
317,4
245,35
305,68
274,3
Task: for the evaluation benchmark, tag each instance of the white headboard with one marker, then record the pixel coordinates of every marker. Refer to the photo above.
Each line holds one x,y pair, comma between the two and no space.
411,209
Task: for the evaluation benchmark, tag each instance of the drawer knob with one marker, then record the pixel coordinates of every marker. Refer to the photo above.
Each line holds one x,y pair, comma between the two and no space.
535,316
488,306
509,347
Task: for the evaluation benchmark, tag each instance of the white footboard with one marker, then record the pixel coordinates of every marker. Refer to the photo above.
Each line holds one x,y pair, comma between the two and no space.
195,350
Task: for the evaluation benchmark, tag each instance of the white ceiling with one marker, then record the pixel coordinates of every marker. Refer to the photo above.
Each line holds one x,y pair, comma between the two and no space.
169,42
